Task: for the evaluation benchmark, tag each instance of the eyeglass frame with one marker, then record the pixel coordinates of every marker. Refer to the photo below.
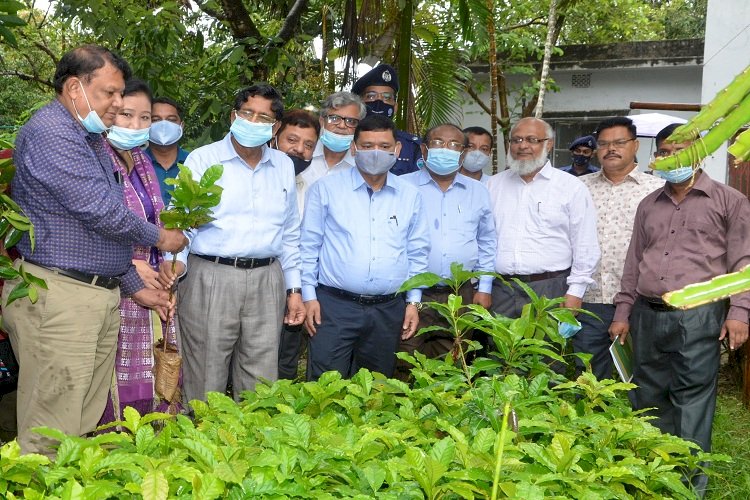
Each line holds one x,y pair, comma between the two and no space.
261,117
534,141
338,119
442,143
379,96
618,144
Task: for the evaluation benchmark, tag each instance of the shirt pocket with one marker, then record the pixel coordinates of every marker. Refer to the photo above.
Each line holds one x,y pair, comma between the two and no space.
545,215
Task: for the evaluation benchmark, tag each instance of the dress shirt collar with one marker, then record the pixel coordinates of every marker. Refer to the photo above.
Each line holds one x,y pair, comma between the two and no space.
228,152
632,176
424,177
359,182
703,183
59,109
545,172
319,152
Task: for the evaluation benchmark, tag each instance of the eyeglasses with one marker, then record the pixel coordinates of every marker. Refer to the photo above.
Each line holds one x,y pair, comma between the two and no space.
484,149
383,96
531,140
250,115
619,144
336,119
439,143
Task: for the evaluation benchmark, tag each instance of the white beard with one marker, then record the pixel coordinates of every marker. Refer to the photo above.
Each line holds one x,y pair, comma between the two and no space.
526,167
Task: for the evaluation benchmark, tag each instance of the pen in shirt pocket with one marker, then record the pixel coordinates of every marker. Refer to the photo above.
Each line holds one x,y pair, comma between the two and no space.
394,218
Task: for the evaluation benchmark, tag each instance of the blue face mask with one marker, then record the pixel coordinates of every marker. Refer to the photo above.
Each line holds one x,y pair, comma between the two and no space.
127,138
675,176
567,330
251,134
374,161
164,133
475,160
336,142
380,108
443,161
92,123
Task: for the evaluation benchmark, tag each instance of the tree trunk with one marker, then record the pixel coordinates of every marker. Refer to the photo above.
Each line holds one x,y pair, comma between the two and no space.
404,66
493,79
548,44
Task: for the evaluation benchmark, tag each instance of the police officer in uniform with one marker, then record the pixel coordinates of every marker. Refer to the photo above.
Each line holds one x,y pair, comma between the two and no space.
378,89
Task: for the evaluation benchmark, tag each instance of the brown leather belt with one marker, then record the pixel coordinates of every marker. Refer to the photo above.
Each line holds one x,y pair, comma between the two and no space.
110,283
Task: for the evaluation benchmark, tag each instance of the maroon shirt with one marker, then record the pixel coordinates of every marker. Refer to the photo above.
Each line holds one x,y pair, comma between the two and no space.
674,245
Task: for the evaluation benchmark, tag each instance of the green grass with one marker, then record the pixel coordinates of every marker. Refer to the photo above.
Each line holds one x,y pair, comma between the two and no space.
731,436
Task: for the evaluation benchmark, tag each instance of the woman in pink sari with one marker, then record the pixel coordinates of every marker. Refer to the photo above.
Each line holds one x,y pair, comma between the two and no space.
140,327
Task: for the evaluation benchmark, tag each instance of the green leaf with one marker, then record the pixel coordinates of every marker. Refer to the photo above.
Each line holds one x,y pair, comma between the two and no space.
154,486
207,487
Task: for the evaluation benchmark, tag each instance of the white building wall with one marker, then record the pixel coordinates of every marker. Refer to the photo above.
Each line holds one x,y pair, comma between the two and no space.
726,54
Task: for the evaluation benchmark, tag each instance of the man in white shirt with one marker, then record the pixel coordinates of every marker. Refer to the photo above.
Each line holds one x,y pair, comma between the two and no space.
340,114
240,264
616,189
545,222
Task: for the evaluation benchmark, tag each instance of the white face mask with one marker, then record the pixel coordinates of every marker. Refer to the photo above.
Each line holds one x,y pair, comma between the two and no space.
165,133
475,160
374,161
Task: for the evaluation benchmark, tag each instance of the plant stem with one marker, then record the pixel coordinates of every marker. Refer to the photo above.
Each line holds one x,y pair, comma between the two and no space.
169,317
499,447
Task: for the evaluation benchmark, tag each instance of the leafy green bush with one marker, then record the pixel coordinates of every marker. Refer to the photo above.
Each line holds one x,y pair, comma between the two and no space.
459,431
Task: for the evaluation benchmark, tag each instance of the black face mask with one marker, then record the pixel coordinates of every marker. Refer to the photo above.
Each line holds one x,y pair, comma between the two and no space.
300,164
379,108
581,160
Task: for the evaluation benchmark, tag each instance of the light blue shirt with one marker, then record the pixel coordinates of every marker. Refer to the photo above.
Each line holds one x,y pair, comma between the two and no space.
361,241
257,216
462,228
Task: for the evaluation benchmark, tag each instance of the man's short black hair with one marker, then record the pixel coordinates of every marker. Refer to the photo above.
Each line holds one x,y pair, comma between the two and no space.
83,61
375,123
616,121
137,86
428,134
299,118
480,131
262,90
171,102
665,132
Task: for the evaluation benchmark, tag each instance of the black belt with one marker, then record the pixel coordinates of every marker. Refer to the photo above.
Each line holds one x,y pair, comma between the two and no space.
656,303
91,279
528,278
439,289
365,300
239,262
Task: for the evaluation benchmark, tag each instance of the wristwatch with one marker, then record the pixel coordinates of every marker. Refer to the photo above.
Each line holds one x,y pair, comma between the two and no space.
418,305
290,291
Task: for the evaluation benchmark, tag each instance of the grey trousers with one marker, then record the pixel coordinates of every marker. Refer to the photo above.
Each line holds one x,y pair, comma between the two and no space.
229,315
676,367
509,300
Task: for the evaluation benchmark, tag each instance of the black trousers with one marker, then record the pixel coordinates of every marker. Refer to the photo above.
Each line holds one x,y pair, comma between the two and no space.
291,346
676,367
353,336
593,338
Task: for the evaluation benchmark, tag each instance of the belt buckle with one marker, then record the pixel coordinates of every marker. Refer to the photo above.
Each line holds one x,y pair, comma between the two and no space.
252,263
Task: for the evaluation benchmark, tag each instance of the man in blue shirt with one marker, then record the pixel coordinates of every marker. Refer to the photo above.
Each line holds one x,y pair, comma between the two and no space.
378,88
462,229
364,234
164,135
233,297
65,342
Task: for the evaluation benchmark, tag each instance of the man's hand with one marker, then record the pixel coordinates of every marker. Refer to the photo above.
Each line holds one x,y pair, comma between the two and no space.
167,278
483,299
158,300
411,321
312,316
737,331
572,302
171,240
149,277
619,328
295,310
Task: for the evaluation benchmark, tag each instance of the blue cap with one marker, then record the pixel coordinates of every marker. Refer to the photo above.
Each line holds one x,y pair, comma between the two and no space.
586,140
382,74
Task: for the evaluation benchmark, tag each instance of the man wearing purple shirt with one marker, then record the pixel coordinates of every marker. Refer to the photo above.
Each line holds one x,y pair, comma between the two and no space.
65,183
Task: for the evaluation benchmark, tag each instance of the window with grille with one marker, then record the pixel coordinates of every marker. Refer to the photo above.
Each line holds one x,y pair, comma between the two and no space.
582,80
